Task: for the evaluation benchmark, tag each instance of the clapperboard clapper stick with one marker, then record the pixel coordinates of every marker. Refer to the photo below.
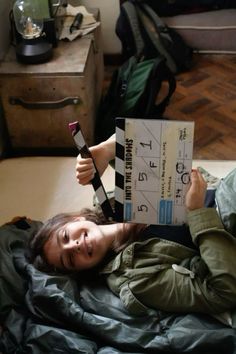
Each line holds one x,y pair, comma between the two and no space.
96,181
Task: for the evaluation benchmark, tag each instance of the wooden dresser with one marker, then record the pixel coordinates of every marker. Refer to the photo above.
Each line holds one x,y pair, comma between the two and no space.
40,100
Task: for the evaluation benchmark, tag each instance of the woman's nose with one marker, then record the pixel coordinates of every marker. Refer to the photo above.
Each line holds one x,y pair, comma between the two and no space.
73,245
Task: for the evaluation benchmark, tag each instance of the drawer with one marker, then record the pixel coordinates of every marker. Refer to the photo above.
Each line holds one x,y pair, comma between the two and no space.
38,110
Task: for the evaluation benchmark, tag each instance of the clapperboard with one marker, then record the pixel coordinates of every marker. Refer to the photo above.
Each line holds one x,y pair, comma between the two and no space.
152,170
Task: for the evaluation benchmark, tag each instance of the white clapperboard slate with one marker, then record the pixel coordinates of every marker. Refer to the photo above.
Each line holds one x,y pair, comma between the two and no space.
153,165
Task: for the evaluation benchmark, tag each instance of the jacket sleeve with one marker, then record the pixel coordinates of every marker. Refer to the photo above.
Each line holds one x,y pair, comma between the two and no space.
215,292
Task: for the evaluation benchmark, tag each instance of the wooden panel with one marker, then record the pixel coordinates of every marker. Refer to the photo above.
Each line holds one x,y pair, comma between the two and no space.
207,95
68,58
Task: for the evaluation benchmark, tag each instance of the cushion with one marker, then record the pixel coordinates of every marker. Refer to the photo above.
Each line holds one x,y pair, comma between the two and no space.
226,201
207,32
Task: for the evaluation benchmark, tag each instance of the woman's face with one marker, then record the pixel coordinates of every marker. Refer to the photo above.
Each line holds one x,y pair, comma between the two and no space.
78,245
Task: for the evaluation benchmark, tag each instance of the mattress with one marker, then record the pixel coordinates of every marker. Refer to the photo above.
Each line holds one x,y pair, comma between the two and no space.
40,187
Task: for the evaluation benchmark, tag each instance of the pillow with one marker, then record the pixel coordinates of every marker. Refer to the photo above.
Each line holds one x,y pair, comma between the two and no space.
207,32
226,201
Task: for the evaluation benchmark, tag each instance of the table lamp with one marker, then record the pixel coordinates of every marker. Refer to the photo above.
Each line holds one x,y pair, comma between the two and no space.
32,46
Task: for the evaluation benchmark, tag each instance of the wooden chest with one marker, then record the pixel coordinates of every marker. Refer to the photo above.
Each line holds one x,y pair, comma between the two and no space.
40,100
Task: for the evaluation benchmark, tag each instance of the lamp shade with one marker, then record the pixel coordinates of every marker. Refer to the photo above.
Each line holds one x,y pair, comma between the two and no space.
27,17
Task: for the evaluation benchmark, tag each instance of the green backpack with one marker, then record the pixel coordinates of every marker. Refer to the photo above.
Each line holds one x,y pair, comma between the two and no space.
134,92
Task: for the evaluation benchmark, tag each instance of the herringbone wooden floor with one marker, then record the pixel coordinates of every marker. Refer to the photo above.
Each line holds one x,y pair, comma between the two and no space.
207,95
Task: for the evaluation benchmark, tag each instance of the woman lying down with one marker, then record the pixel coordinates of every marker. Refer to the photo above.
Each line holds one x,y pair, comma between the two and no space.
192,271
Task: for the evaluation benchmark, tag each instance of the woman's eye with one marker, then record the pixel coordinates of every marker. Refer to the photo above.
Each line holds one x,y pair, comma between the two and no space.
65,236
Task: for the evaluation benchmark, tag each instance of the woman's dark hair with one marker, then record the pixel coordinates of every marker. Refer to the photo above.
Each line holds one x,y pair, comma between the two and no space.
38,240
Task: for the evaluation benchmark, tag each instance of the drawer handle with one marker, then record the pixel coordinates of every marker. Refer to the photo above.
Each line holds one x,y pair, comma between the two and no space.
45,104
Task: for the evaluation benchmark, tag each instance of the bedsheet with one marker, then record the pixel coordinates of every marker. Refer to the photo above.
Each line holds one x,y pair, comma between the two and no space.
43,313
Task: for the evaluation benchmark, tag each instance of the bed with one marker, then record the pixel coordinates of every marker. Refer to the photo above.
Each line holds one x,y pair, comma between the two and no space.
42,313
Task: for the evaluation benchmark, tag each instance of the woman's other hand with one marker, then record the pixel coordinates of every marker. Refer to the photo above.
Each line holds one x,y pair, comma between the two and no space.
195,196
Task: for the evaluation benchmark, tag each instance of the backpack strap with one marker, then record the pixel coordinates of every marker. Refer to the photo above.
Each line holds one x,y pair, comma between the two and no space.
157,31
130,12
161,73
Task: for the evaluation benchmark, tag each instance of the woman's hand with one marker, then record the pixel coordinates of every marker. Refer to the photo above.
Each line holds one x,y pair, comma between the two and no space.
195,196
102,154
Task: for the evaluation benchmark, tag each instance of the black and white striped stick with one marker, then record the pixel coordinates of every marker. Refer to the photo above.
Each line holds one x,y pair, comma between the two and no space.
96,181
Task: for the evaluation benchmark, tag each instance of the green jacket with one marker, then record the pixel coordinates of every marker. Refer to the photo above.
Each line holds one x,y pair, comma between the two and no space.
164,275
